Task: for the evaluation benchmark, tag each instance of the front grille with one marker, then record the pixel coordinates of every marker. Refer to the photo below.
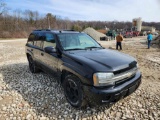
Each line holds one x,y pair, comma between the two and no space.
123,81
123,77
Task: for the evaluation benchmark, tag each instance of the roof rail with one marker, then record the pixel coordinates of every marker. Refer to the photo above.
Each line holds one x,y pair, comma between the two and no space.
42,30
53,30
68,30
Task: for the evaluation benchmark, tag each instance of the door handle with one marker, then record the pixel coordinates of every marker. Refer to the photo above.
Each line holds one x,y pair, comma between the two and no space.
42,54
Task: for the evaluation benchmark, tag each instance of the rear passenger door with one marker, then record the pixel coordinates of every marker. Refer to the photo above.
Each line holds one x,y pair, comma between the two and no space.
49,60
30,44
31,48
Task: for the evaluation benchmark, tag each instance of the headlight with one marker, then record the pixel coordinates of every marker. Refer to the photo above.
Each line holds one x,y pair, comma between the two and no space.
102,79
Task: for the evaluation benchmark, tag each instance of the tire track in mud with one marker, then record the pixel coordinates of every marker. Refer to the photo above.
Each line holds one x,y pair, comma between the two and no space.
149,67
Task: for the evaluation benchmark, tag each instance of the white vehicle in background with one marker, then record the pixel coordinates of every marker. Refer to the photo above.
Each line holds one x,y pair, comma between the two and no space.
155,33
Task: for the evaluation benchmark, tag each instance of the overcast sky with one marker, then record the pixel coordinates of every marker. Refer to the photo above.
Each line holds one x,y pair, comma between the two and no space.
89,10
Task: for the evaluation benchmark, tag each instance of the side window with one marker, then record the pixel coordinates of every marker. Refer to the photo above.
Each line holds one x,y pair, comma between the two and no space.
31,39
39,39
49,40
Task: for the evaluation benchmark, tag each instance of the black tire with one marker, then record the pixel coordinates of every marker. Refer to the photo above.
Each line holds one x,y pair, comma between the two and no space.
32,65
73,91
159,44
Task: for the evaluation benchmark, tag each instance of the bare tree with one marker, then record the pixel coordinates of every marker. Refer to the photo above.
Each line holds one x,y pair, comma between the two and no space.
3,7
20,23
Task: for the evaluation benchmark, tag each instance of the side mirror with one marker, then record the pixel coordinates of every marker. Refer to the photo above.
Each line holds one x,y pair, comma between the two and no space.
50,49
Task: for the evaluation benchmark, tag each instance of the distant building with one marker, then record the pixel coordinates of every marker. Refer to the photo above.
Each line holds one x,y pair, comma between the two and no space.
148,28
137,24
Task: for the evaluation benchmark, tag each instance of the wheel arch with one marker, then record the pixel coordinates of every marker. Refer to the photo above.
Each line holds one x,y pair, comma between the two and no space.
27,54
64,74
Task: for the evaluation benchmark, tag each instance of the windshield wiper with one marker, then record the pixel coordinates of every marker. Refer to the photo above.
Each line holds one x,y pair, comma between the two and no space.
74,49
82,48
92,47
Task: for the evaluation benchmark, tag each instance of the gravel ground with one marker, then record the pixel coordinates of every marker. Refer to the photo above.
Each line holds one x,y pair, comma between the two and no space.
24,95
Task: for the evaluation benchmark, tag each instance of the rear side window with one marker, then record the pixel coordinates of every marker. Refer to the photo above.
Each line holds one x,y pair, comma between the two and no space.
49,40
31,39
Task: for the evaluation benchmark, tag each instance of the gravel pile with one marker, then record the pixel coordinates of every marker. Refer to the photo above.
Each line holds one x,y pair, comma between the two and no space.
95,34
24,95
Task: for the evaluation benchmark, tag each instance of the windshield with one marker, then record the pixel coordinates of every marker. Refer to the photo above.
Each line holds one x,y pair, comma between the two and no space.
77,41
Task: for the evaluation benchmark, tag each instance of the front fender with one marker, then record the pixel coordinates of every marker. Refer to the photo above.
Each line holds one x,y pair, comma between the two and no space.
84,77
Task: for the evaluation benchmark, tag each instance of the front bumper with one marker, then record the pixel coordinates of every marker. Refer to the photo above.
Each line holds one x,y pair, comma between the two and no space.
112,94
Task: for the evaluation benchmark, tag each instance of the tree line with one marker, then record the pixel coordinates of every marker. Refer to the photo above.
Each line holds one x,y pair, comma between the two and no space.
18,23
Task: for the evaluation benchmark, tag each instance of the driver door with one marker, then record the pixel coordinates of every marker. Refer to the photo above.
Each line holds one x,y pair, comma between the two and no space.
49,60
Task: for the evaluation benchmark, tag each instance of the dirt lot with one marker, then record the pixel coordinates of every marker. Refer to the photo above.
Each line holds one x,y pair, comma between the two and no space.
39,96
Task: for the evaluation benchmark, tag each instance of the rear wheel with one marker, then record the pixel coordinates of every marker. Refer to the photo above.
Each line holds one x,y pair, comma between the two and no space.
32,65
73,91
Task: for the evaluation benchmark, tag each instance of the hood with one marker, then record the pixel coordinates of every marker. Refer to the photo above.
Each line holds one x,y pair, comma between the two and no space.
103,59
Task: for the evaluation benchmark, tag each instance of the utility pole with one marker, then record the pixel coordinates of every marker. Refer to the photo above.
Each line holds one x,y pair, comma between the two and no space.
49,27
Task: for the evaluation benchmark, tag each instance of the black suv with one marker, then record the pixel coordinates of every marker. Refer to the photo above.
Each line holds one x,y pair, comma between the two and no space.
88,72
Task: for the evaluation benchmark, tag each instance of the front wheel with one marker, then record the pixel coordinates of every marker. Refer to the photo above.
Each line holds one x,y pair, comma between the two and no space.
73,91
